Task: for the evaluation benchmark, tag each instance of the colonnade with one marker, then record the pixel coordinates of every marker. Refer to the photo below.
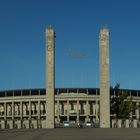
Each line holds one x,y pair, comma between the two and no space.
32,113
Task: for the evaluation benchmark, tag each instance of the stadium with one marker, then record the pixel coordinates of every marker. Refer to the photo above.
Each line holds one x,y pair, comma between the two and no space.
51,107
27,108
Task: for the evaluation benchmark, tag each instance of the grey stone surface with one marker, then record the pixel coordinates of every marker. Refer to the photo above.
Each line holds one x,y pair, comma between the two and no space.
71,134
50,35
104,78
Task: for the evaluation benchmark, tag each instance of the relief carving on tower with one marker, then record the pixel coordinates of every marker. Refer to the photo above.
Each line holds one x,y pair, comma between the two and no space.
104,37
50,40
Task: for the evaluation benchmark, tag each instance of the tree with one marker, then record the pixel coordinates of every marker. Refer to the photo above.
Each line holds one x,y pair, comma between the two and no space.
121,105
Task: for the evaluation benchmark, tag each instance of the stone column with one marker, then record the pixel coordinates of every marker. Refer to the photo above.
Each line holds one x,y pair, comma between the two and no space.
67,110
97,111
137,111
33,106
135,123
127,123
58,111
12,110
24,109
13,106
104,78
38,110
50,77
60,108
77,110
119,123
30,110
5,111
94,112
41,108
38,114
87,110
21,113
29,114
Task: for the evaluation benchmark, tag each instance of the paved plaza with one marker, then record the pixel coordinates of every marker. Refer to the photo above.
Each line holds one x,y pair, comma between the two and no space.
71,134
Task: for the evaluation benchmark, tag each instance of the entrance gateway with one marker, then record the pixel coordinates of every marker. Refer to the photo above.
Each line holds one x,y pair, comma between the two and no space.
104,77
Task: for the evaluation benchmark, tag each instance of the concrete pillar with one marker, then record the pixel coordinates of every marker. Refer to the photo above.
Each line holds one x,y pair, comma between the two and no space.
33,108
16,109
104,78
41,108
12,121
50,35
5,114
38,110
67,110
62,109
5,110
29,109
87,111
21,114
119,123
77,111
137,111
21,109
58,111
97,111
29,121
127,123
38,114
135,123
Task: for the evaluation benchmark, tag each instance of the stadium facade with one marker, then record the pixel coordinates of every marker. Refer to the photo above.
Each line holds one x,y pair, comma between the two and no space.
27,108
50,107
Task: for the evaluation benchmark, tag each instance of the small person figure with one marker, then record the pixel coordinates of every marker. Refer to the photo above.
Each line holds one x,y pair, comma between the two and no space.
79,124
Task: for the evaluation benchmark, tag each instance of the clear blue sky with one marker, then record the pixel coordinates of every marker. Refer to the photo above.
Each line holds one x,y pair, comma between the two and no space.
77,24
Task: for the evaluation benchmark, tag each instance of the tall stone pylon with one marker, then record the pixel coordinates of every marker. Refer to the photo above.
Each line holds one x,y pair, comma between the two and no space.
104,78
50,75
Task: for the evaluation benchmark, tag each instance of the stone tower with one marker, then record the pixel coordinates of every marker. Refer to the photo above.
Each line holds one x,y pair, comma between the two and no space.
104,78
50,47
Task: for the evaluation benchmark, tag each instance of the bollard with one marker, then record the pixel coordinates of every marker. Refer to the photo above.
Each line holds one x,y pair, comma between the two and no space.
135,122
127,123
119,123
